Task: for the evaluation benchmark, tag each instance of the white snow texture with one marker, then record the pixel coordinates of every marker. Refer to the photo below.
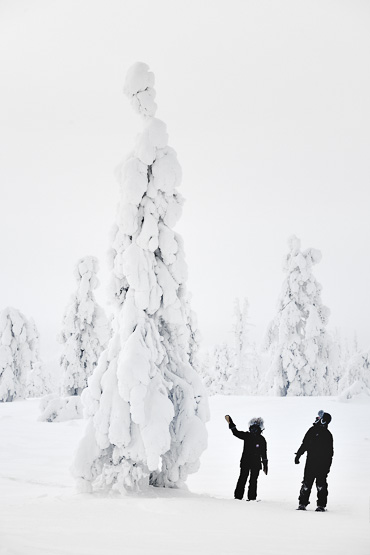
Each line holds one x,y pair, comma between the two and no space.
60,409
146,404
356,380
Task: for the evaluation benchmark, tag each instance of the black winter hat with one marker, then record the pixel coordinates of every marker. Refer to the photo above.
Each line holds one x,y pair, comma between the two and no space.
323,418
326,418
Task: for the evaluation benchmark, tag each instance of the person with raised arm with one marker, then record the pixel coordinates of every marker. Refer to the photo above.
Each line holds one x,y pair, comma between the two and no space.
254,456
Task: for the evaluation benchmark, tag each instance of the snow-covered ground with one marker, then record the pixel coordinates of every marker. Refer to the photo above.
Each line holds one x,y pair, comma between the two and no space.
41,513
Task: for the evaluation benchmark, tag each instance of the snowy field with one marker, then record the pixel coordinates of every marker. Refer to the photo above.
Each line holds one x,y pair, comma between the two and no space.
41,513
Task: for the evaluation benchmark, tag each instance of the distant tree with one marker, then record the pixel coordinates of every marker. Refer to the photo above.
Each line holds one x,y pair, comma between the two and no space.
356,379
246,372
206,371
301,347
146,404
85,330
18,355
39,379
223,370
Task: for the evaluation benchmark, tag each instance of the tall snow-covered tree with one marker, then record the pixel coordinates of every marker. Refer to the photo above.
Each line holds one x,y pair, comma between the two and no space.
146,403
18,354
300,344
85,332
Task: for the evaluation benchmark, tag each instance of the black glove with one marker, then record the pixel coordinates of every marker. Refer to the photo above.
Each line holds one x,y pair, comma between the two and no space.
296,460
265,467
229,421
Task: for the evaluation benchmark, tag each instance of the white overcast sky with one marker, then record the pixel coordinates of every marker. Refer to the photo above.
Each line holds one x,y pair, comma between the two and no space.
267,106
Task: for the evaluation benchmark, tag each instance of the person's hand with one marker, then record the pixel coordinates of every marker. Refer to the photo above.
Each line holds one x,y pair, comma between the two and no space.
227,418
265,468
296,460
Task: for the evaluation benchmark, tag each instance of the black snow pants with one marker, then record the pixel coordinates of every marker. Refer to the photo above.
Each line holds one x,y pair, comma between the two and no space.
319,473
247,470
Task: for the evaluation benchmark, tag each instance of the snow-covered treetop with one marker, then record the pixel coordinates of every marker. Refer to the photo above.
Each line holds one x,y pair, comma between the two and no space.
85,273
300,283
144,244
301,260
139,89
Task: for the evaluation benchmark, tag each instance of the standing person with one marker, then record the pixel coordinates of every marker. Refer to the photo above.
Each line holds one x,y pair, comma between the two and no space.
318,442
254,452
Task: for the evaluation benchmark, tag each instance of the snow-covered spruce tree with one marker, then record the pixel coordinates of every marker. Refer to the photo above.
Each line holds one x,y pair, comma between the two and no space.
222,372
300,344
356,380
39,380
245,377
206,371
146,403
18,355
85,332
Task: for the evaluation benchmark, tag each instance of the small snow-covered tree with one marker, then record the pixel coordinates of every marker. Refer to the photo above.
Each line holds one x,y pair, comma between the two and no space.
85,332
206,371
246,373
18,356
146,403
356,379
300,344
223,369
39,380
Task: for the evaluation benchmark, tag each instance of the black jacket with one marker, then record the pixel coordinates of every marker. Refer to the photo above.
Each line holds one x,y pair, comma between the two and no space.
318,442
255,448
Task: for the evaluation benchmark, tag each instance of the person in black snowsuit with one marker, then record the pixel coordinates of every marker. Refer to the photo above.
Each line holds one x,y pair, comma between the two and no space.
318,442
254,452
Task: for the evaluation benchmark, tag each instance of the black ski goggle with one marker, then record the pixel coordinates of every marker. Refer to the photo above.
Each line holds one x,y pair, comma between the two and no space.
320,420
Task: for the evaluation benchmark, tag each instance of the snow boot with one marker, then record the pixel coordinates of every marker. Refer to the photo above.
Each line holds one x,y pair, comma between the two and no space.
301,508
320,509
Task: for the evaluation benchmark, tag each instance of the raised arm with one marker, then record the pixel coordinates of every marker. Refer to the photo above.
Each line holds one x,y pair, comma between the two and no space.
237,433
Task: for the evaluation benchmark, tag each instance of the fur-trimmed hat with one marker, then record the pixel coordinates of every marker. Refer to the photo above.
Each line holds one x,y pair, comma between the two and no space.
258,421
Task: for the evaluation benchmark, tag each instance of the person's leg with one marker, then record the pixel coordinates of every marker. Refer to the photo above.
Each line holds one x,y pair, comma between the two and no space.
308,479
322,488
240,486
252,489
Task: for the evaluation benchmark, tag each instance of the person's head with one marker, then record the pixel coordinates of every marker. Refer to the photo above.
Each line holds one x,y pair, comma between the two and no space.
256,425
322,419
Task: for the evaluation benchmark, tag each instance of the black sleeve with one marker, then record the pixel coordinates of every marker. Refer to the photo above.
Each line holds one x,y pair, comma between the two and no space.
305,442
331,448
237,433
264,450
